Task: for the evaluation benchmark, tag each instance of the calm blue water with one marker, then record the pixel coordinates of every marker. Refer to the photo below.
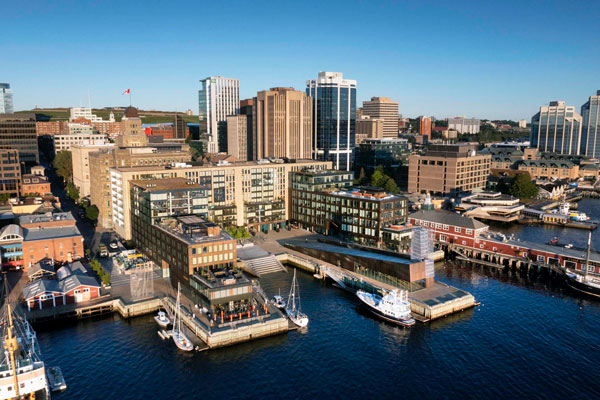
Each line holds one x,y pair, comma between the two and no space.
528,339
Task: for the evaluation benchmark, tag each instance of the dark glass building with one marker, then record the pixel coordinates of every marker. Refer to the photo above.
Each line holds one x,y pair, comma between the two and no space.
334,119
19,132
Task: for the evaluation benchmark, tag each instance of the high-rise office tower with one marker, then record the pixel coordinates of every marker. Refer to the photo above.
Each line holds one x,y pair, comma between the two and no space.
334,118
179,127
282,119
556,128
590,130
18,131
385,109
6,99
237,136
217,98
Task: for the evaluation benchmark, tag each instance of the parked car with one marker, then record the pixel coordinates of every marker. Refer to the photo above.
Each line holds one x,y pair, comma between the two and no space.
103,251
113,245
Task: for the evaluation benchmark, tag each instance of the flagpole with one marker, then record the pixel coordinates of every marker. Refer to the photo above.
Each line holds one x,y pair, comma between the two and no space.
129,97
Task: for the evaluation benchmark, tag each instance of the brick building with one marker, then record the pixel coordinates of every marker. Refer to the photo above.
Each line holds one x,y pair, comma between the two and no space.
35,185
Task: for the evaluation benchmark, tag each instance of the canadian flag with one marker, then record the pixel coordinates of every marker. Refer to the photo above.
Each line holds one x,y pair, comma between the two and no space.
127,91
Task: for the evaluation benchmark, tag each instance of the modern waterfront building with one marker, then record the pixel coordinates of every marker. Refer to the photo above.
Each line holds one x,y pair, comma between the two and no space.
218,97
80,156
368,128
590,130
252,194
10,172
237,136
445,169
557,128
6,99
126,153
334,118
464,125
18,131
424,126
386,152
282,119
357,214
385,109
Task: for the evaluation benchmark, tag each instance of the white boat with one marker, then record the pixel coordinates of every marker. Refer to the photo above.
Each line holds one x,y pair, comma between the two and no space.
393,307
181,340
22,371
278,301
162,319
293,309
56,379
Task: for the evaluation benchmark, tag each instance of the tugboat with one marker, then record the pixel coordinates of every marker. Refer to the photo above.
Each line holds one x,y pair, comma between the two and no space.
581,281
393,307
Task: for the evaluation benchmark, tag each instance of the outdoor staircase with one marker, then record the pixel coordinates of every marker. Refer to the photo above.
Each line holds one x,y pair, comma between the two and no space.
265,265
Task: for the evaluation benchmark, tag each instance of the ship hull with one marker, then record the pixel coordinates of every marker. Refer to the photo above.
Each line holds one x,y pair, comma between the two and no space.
582,287
381,315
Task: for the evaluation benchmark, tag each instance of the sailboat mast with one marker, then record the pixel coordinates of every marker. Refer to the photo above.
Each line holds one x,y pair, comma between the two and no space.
587,256
11,342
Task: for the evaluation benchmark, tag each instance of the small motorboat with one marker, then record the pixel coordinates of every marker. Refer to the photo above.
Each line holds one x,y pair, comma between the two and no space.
55,379
278,301
162,319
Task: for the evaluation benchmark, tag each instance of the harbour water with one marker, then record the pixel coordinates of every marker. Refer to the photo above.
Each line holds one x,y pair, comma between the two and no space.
527,339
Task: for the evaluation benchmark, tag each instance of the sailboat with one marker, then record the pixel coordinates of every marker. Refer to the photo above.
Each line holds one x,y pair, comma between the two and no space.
22,372
293,306
181,340
581,281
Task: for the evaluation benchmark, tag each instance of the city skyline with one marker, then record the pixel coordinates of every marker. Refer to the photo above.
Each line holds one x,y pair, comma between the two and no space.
479,60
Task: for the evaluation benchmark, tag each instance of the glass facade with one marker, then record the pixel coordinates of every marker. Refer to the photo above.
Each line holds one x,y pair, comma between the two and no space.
590,113
557,129
6,99
334,118
218,97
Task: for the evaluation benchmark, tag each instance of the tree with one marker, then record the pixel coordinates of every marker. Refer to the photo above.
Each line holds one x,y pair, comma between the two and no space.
391,186
72,191
91,213
362,176
63,164
4,197
238,232
379,178
522,187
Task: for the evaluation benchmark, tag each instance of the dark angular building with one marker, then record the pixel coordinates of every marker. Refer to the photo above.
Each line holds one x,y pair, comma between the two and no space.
334,119
18,131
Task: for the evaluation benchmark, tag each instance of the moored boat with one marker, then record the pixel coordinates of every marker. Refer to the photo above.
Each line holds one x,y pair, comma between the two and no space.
581,281
293,308
162,319
181,340
393,307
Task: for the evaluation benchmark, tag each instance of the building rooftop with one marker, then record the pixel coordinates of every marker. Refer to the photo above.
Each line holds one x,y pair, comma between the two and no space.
367,193
11,232
165,184
229,165
194,230
48,217
448,218
50,233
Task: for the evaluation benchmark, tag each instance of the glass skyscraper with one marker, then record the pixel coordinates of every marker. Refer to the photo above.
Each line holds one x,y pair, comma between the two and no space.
590,131
6,99
218,97
556,128
334,118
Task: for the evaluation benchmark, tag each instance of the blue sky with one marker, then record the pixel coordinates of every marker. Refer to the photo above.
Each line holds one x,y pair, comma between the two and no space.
488,59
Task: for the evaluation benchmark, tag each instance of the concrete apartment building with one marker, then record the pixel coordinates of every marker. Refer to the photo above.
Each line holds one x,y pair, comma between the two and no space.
131,150
66,142
446,169
387,110
237,136
18,131
282,119
556,128
80,155
368,128
463,125
253,193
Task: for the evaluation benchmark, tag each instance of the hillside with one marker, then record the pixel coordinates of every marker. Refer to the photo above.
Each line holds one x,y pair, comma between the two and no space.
148,117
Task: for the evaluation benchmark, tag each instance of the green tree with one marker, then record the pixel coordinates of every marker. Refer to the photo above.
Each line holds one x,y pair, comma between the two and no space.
379,178
91,213
391,186
522,187
238,232
63,164
362,176
4,197
72,191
